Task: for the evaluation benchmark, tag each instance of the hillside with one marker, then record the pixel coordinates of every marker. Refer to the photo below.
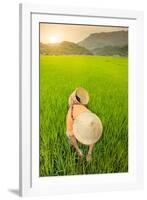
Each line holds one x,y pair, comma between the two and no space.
104,39
63,48
111,50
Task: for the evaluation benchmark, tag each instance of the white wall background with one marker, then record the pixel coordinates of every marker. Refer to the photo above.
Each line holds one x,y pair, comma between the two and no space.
9,97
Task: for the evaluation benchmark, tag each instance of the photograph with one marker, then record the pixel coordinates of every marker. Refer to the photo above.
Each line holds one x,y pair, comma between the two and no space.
83,99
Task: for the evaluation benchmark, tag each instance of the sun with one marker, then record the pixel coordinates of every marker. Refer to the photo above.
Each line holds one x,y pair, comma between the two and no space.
54,39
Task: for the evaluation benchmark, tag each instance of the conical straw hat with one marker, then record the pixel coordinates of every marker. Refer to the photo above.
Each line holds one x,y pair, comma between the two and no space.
87,128
82,95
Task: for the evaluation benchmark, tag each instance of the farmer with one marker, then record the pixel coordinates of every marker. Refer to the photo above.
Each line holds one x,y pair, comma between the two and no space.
81,123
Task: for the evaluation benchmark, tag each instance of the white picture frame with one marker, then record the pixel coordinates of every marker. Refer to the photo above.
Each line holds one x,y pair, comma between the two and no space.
30,183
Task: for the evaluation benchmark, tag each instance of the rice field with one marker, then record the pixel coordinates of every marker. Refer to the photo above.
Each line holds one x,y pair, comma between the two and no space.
106,79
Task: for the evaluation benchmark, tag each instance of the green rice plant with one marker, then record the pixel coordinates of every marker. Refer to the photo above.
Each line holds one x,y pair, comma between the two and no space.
106,79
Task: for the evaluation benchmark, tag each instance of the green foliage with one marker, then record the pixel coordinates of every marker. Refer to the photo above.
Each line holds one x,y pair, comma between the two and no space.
106,79
111,50
63,48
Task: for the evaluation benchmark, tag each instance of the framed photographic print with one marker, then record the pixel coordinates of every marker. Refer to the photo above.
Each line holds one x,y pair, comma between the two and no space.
81,93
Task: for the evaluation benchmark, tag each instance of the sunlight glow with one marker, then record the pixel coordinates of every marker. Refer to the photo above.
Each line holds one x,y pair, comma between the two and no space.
53,39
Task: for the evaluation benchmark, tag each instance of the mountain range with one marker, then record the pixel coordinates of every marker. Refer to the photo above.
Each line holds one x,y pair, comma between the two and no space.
63,48
104,43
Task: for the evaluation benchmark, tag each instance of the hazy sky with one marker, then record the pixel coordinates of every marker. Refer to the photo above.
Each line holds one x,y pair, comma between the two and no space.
53,33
